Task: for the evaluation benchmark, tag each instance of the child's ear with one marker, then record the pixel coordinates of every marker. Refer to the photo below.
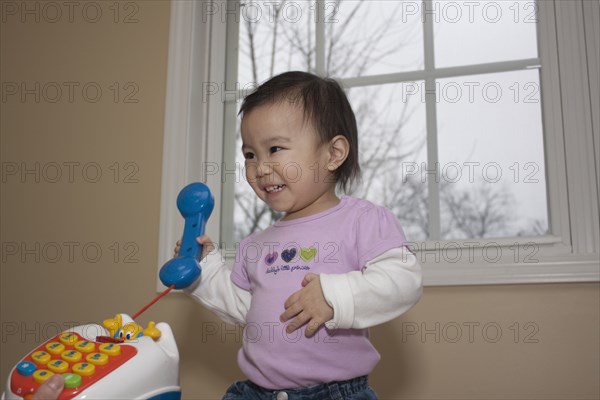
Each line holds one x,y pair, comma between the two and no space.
338,152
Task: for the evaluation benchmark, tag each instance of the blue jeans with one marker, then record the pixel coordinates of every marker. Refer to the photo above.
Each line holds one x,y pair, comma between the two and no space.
353,389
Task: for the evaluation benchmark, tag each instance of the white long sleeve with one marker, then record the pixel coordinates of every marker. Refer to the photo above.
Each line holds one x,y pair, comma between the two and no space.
388,286
218,293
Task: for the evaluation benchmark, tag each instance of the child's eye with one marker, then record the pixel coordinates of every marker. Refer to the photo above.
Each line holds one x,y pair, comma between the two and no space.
248,155
274,149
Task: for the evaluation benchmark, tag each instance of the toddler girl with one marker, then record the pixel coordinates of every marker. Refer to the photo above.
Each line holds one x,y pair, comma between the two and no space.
307,288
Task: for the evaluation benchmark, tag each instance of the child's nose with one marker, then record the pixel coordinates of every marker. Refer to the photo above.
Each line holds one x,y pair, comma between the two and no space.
264,168
256,171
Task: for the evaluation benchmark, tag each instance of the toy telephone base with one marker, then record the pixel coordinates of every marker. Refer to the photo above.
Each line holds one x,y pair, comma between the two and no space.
143,368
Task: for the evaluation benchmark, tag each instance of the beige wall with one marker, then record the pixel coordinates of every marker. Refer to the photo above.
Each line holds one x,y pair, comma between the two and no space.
555,353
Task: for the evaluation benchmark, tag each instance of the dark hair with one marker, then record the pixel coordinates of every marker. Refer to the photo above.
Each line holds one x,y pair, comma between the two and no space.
324,105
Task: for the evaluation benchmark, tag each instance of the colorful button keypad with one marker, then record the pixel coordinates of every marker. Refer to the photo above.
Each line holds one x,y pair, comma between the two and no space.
81,362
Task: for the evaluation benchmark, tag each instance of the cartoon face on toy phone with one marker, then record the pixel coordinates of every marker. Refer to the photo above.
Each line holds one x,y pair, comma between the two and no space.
130,331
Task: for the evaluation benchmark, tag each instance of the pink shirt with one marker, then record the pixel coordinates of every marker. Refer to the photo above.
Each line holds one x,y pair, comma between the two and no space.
271,265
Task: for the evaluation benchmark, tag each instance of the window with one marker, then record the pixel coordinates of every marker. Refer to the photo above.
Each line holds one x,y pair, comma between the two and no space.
467,147
446,96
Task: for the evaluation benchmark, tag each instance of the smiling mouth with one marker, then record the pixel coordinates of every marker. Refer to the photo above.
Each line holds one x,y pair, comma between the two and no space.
274,188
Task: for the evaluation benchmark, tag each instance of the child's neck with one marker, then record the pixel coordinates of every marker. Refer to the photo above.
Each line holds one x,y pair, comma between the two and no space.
328,200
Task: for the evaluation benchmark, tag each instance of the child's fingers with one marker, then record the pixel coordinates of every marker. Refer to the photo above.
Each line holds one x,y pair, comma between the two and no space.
308,278
177,247
291,311
312,327
300,320
303,319
207,245
204,240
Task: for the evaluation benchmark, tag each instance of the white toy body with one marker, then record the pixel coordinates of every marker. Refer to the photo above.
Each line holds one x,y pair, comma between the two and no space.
152,373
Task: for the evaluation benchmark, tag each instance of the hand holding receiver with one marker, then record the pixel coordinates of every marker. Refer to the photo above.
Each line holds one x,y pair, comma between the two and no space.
195,203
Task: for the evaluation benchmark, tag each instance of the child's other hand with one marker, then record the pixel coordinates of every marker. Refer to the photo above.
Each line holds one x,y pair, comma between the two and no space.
308,305
204,241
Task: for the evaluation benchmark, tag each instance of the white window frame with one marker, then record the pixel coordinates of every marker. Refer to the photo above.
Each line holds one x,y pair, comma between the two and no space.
567,30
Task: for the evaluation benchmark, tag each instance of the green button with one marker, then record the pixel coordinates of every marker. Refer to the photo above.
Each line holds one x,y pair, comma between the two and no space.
72,381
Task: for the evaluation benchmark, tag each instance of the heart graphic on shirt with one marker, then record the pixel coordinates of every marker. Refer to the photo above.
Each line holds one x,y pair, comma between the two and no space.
289,254
271,257
308,254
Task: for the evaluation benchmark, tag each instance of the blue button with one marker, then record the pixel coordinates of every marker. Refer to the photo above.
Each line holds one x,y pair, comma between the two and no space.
26,368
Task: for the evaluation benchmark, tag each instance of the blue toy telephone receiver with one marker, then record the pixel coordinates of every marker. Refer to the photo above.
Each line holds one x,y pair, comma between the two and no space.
195,203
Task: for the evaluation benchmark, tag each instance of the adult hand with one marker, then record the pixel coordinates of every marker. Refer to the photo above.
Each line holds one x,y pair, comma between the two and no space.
50,390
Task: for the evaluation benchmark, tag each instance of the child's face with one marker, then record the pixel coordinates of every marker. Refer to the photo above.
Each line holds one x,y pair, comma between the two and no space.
286,163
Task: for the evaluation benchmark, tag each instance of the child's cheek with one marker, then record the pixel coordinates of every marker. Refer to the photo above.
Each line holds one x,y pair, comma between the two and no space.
250,171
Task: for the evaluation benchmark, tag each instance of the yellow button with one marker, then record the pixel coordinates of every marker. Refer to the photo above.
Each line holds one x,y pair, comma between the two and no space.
58,366
84,369
97,358
41,357
112,349
85,346
55,347
68,338
41,375
71,356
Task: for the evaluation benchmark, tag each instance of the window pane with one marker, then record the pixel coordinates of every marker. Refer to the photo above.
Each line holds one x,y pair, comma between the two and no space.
392,144
491,156
275,37
372,37
474,32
